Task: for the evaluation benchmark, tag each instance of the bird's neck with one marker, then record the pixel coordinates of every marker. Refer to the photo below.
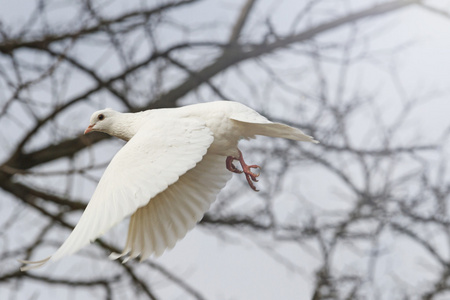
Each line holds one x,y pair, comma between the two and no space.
126,125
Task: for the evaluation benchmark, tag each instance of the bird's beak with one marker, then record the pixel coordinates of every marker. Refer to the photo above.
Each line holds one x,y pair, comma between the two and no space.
89,129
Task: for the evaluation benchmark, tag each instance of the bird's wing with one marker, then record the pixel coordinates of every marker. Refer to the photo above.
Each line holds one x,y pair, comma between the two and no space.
159,153
172,213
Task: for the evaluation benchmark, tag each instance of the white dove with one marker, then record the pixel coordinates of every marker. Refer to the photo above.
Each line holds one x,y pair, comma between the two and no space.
168,174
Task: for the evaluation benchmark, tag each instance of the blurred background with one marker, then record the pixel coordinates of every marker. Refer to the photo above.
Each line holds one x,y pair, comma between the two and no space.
362,215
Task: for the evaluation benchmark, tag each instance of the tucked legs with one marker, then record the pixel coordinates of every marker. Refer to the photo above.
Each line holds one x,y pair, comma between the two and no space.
246,169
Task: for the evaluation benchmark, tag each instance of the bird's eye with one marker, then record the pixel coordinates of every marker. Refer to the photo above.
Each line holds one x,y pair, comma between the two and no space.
101,116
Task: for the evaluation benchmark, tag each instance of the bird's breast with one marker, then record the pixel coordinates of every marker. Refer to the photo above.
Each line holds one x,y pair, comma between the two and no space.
226,135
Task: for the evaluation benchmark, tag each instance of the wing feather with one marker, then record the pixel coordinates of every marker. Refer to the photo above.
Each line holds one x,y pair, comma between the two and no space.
159,153
172,213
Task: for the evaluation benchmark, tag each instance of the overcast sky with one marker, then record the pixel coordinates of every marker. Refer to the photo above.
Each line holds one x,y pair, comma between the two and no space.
239,269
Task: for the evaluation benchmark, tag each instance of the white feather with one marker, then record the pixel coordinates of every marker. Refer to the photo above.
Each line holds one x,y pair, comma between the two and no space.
151,161
172,213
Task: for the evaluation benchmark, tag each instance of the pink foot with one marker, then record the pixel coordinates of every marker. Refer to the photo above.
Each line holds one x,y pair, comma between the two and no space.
246,169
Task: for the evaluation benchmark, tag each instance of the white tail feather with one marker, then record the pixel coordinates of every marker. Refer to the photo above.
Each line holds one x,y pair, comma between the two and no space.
272,129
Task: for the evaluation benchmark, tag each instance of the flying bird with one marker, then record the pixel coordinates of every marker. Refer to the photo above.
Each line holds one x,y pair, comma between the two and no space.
168,173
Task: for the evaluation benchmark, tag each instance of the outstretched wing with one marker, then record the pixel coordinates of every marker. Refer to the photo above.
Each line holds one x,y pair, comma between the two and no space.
159,153
172,213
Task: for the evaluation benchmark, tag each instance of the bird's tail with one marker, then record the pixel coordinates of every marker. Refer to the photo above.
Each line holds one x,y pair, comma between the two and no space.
273,129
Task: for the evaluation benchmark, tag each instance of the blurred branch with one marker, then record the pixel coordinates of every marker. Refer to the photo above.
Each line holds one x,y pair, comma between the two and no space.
435,10
10,44
23,191
105,282
231,56
240,22
384,185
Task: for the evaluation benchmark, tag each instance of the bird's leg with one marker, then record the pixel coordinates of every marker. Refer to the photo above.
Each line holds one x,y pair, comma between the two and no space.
230,165
246,169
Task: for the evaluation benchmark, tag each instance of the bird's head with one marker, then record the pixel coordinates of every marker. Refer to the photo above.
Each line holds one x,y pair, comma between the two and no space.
101,120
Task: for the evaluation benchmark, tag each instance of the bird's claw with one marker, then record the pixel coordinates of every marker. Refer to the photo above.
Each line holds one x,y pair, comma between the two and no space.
246,169
252,174
248,172
230,166
250,180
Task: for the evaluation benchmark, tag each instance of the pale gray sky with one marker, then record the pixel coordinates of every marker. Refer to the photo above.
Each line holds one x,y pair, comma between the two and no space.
242,269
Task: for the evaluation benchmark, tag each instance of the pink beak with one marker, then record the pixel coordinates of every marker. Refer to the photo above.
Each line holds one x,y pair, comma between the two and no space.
89,129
